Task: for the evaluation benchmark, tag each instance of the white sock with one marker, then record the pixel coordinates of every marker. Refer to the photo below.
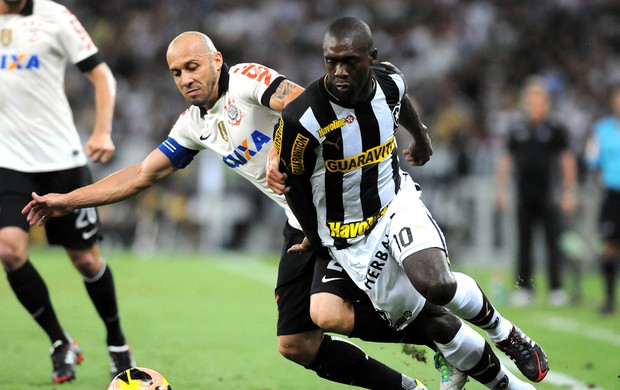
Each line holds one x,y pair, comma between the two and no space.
465,349
467,304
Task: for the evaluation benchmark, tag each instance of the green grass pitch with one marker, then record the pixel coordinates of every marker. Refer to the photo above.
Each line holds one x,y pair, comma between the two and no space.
208,322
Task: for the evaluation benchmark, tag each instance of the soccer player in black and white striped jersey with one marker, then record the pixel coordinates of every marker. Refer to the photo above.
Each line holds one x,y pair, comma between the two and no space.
337,149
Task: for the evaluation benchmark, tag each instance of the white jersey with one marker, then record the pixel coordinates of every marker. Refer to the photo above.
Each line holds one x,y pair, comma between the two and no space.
239,127
36,122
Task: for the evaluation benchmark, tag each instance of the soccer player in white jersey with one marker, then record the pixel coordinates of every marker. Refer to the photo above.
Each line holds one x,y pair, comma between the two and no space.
41,151
233,112
337,147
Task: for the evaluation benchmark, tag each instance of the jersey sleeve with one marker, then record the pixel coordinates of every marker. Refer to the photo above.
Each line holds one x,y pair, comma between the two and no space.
180,147
180,156
396,75
74,38
258,82
297,151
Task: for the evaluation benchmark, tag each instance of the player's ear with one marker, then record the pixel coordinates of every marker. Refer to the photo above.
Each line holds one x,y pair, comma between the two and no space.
373,56
218,60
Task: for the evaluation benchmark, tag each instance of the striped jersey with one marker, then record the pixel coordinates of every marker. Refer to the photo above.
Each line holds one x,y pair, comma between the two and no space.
342,161
36,122
238,128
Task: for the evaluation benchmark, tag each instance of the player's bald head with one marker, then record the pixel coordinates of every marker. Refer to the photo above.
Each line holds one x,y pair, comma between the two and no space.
355,32
193,41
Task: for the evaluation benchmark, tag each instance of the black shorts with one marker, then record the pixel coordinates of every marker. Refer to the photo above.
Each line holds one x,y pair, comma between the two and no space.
609,220
77,230
303,274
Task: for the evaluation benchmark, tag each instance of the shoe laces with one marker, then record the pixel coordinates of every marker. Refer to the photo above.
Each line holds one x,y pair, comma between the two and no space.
442,366
518,345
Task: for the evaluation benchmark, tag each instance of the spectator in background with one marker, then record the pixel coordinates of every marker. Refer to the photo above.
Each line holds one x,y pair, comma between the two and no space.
535,145
603,156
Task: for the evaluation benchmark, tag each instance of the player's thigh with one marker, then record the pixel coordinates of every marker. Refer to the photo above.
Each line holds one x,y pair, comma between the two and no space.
15,190
418,244
333,294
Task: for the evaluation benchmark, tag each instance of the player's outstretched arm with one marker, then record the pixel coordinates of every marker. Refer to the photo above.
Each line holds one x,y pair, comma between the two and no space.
117,187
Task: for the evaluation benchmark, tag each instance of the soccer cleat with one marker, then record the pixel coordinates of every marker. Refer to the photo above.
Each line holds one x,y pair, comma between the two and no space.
528,356
65,357
121,359
451,378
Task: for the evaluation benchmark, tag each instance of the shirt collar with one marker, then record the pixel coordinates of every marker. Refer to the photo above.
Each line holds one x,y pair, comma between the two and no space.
28,8
222,87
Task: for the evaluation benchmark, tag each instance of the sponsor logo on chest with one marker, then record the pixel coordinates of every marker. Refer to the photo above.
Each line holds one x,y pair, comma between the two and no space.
247,149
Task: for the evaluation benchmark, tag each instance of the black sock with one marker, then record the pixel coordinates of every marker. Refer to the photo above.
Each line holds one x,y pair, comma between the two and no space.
487,367
102,293
31,291
608,268
486,318
343,362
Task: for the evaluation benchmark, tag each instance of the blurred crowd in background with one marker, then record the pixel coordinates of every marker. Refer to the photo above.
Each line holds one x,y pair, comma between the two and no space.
465,61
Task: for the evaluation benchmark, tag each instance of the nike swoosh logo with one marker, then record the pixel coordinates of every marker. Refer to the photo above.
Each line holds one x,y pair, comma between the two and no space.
89,234
202,137
325,279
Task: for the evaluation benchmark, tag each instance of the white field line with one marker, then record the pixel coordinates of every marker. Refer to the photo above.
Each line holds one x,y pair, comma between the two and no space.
568,325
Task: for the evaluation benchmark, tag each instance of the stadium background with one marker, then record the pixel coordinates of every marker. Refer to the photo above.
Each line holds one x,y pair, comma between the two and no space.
465,62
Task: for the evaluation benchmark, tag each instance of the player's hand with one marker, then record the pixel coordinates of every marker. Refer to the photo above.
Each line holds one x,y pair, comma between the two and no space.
100,147
276,180
298,248
42,208
418,153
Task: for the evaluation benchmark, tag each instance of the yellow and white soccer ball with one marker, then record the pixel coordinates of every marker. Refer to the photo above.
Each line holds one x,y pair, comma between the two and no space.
139,378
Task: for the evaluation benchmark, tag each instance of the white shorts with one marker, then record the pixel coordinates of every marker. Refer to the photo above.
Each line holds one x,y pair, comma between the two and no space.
375,263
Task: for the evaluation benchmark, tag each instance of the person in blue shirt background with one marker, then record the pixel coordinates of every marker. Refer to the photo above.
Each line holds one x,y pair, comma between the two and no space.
603,156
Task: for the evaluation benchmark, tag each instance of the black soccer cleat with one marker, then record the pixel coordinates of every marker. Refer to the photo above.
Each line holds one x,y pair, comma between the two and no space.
528,356
121,359
65,357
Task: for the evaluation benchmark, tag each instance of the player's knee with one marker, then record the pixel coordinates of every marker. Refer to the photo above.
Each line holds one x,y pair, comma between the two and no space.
326,319
11,257
300,348
332,316
441,291
86,262
443,328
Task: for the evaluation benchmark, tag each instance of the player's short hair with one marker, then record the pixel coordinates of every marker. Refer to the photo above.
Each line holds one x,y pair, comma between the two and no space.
350,27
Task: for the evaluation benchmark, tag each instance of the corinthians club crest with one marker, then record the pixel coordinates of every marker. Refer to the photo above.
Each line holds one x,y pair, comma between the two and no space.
233,113
6,36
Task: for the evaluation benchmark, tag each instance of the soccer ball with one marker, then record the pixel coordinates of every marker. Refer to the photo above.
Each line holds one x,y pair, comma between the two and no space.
139,378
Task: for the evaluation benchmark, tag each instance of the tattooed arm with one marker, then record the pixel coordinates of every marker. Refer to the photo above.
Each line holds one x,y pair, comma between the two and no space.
286,92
